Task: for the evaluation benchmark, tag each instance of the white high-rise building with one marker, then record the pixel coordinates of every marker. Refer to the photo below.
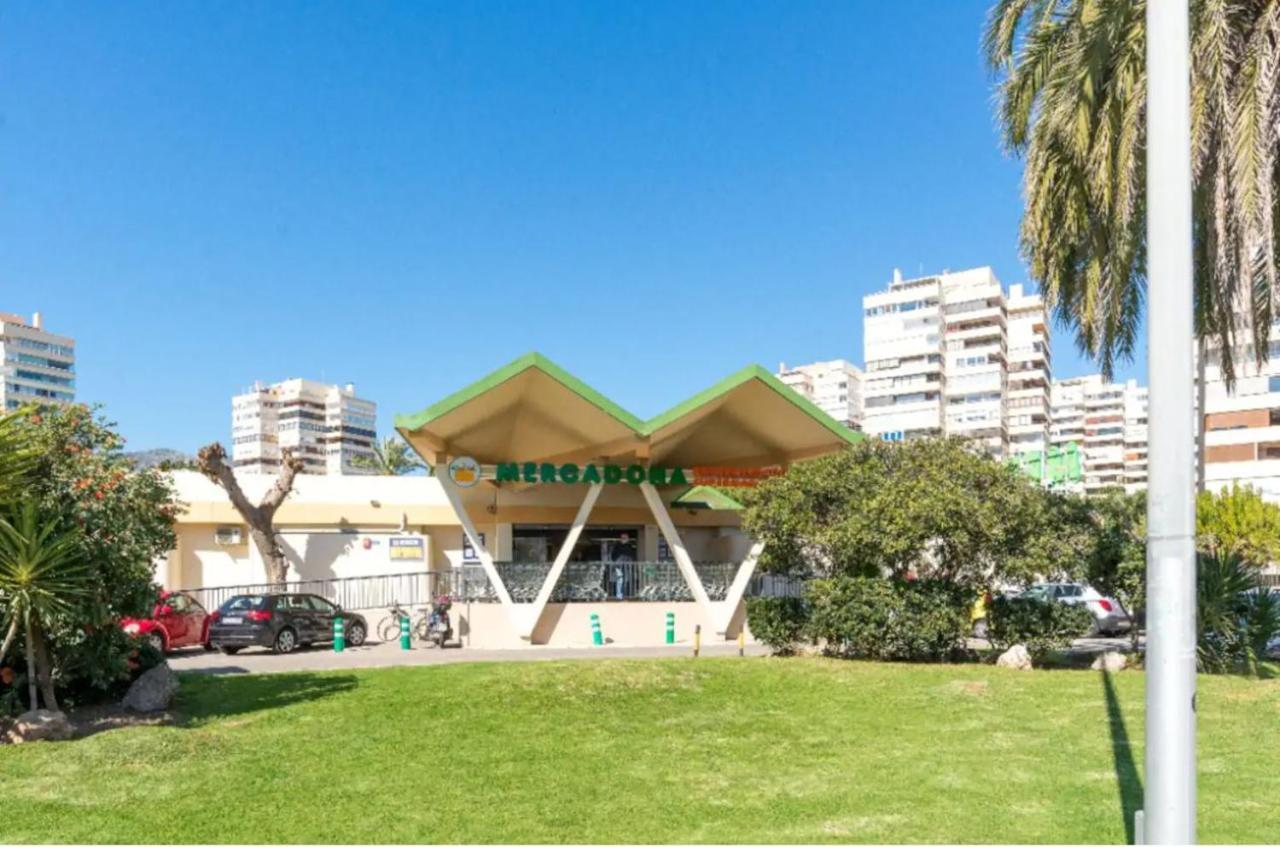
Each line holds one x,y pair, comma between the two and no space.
835,387
326,426
902,348
1108,422
38,367
938,354
1030,367
1242,424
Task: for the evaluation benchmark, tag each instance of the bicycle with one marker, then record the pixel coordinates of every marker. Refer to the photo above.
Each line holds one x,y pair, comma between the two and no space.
389,627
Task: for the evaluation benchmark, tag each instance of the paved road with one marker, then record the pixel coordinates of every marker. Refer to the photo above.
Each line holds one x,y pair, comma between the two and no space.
389,655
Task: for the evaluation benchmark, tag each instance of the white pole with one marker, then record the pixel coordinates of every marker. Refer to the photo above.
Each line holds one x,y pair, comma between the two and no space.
1170,802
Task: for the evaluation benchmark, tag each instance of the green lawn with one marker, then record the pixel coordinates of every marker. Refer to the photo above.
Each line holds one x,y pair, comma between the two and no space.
721,750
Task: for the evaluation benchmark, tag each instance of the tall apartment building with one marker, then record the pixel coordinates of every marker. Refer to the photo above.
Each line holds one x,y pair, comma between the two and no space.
938,361
835,387
1027,403
1242,424
38,367
1108,421
327,427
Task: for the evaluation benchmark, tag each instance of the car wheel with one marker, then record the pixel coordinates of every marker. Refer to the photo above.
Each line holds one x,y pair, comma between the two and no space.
229,650
355,634
156,640
286,641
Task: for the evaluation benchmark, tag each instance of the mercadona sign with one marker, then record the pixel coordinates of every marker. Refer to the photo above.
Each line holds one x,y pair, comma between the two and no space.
608,474
572,473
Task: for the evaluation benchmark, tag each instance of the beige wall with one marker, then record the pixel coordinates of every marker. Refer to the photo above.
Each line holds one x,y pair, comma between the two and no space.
626,624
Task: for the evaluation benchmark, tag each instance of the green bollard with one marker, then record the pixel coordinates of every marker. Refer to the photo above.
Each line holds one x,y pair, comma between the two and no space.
339,635
404,633
671,627
597,637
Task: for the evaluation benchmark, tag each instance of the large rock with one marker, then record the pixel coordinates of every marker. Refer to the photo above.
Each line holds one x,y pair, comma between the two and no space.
40,725
153,691
1111,662
1016,657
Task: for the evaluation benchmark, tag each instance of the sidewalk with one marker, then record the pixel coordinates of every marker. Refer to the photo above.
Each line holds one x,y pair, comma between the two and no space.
374,655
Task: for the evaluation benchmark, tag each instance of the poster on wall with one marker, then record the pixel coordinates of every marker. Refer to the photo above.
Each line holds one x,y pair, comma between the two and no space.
407,549
469,553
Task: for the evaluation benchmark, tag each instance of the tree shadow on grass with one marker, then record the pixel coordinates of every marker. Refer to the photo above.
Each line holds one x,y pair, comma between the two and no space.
1128,779
205,698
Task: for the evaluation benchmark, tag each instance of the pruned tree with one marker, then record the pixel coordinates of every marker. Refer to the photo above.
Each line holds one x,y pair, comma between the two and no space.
212,461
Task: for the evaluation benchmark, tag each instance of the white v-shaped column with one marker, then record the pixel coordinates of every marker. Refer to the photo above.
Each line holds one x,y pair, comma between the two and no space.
486,560
683,562
719,612
729,606
533,612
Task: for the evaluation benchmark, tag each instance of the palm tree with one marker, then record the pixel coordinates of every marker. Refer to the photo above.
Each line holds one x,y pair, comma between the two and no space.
1071,102
391,457
42,575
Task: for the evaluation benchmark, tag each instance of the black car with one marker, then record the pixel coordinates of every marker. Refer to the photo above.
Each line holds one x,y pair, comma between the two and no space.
281,622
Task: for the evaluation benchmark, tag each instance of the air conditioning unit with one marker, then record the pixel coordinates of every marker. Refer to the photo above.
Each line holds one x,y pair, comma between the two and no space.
228,536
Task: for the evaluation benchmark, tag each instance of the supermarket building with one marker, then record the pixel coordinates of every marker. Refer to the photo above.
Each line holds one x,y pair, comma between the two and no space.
548,504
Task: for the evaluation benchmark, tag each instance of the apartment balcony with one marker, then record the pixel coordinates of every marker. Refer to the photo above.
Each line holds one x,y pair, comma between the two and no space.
972,331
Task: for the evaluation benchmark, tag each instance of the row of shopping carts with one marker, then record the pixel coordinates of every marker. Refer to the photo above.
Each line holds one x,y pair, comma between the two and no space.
598,581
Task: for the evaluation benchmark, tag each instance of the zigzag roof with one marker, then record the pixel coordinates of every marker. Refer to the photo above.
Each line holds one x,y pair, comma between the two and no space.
533,410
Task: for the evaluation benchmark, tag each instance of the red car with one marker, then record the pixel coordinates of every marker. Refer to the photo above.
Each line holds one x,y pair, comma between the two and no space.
177,621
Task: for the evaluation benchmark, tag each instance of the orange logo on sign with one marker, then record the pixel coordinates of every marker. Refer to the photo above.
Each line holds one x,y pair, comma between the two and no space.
733,477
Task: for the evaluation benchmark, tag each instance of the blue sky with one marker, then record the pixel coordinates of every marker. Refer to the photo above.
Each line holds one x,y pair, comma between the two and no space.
408,195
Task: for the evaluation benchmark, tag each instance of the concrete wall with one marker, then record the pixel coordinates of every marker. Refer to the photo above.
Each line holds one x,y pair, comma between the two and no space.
626,624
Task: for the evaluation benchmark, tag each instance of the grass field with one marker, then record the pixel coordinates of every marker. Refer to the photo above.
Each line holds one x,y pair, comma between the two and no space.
724,750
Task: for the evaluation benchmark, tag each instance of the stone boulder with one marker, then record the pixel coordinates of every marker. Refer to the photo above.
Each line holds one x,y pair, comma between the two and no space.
40,725
153,691
1016,657
1111,662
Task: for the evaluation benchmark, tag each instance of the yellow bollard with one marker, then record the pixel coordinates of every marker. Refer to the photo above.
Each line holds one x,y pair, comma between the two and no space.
697,640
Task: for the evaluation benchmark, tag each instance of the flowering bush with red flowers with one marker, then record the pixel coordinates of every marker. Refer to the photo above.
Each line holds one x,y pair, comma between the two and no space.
125,517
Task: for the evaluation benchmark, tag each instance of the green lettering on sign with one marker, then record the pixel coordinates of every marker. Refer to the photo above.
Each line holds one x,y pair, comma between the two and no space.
588,474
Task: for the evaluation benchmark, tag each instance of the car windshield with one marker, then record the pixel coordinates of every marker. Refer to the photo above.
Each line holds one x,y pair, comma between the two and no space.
244,602
1037,592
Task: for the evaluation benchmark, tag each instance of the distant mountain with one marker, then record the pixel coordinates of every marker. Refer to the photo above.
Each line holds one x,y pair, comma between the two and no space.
160,458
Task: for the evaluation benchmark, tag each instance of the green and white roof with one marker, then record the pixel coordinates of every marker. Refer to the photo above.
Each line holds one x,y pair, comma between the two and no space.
532,410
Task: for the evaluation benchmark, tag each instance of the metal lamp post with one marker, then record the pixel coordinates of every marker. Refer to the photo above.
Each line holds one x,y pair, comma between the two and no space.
1170,801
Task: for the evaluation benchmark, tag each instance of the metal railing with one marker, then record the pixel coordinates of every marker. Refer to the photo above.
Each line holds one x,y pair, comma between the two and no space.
580,582
356,592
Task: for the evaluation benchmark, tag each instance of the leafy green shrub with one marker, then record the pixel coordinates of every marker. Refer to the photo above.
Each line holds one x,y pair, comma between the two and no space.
1043,626
1235,616
100,664
896,620
779,622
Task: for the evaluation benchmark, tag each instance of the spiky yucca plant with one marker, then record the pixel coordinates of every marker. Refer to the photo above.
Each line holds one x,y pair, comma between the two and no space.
42,575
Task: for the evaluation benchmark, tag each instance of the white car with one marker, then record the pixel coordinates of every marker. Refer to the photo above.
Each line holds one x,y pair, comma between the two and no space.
1109,615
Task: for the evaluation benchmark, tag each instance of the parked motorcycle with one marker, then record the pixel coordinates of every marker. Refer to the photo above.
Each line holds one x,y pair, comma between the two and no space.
438,628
